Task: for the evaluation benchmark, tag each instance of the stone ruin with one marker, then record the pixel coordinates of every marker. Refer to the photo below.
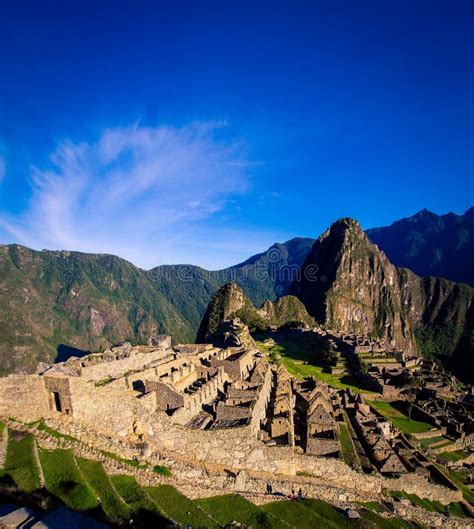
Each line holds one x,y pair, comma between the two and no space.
184,400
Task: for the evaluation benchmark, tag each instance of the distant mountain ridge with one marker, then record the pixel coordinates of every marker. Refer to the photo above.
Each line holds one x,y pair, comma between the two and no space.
55,303
430,244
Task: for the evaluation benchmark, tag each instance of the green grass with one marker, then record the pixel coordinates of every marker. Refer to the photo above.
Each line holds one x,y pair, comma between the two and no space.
132,493
64,479
371,505
143,507
296,514
326,511
226,509
180,508
2,427
429,505
162,470
20,463
392,411
347,447
131,462
112,504
301,362
373,519
431,440
454,456
456,509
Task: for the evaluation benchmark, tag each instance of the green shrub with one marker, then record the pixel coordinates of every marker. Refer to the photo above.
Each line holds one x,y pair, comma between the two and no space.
163,471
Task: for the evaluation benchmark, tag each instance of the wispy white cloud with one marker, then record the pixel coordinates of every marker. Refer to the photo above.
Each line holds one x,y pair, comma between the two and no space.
139,192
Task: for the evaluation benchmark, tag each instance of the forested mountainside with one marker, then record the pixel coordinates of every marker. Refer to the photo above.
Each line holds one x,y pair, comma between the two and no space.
57,303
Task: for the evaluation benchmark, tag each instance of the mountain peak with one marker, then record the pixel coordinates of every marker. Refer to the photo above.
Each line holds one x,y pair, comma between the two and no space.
346,223
349,285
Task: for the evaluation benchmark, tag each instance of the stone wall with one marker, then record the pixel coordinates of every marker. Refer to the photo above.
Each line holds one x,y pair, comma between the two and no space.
24,397
112,408
116,368
236,362
259,411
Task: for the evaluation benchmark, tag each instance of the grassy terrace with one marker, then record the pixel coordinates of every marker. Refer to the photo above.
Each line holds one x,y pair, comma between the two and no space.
395,412
20,463
111,502
54,433
64,479
229,508
347,447
434,506
455,455
301,362
180,508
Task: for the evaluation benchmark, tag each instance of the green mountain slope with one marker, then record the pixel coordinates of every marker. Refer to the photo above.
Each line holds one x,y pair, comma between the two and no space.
265,276
53,300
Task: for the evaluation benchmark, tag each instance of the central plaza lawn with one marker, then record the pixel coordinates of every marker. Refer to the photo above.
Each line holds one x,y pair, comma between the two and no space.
64,479
301,362
180,508
20,463
394,412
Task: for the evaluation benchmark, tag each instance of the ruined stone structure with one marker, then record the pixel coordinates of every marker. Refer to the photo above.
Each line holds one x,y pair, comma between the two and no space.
206,407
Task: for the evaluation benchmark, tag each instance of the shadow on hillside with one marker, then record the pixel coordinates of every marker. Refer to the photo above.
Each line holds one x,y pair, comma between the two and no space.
64,352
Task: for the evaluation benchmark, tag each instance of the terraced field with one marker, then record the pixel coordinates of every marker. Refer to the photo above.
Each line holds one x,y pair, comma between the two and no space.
83,485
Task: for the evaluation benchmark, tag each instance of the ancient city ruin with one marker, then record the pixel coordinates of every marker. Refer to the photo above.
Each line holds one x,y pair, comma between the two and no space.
229,408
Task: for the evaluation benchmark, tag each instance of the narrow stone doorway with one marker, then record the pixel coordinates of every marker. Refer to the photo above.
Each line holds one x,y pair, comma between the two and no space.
57,401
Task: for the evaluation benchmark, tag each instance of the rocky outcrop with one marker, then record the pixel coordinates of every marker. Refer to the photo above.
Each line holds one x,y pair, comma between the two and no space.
230,302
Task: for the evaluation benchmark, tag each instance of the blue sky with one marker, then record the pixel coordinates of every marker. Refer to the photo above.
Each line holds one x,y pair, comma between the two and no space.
205,131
